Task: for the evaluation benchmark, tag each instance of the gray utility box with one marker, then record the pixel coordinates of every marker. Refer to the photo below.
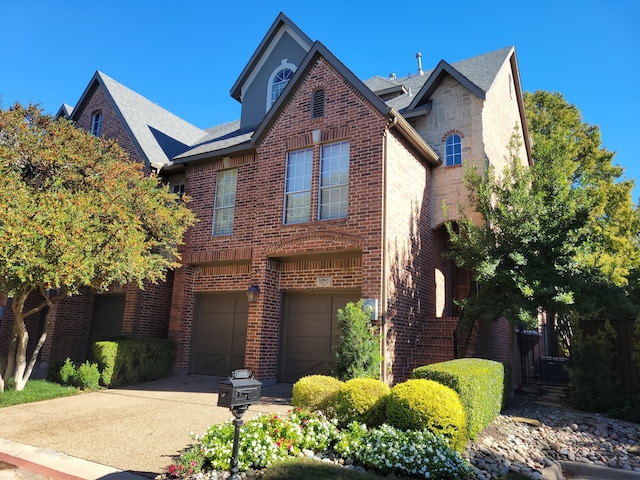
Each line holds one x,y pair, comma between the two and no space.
238,392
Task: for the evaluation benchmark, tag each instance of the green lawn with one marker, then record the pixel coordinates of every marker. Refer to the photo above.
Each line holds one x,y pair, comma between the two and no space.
35,391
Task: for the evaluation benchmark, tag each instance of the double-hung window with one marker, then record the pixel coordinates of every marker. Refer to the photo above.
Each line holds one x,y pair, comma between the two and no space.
225,202
297,208
334,180
331,189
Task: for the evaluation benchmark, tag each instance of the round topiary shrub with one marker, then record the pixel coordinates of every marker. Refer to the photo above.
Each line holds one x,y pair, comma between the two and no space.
362,400
316,392
418,404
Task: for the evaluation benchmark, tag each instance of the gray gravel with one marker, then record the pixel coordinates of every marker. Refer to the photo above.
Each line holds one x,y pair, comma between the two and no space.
530,436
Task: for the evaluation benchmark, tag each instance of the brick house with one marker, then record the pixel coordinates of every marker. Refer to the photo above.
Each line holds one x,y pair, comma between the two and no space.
327,190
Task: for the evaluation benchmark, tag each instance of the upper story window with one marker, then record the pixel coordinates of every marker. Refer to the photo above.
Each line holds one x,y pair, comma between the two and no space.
225,202
178,190
331,189
317,103
297,202
96,123
334,180
278,81
453,150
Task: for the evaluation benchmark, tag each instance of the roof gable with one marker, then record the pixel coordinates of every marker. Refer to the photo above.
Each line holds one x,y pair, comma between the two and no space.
157,134
320,51
281,23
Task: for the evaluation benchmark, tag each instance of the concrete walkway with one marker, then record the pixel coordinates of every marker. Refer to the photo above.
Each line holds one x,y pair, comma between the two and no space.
118,434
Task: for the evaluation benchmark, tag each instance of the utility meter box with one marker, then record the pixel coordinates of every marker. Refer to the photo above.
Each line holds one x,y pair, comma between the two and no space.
241,390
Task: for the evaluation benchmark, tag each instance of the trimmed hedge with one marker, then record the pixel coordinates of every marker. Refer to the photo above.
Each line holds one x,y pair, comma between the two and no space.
483,387
316,392
129,361
418,404
362,400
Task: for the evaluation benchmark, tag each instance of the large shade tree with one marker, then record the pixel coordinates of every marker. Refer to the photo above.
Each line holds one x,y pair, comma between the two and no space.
561,235
74,213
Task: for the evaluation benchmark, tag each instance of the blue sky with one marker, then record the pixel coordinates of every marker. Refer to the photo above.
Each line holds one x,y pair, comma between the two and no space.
186,56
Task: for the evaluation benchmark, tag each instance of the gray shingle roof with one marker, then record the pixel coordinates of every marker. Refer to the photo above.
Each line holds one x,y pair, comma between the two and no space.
481,71
159,134
219,139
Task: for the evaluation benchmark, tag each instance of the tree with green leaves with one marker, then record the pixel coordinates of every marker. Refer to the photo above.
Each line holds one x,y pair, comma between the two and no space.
554,231
358,352
74,213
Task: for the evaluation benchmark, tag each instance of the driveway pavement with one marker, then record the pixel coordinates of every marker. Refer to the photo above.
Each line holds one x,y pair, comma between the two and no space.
119,434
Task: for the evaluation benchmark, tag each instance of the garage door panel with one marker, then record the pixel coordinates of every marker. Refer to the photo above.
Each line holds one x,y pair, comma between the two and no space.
220,332
310,330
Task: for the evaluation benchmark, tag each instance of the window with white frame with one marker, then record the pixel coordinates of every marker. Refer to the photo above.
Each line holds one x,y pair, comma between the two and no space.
96,123
278,81
453,150
178,190
225,202
297,201
334,180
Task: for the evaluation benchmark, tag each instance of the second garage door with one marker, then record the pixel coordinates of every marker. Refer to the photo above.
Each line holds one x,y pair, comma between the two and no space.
219,335
310,329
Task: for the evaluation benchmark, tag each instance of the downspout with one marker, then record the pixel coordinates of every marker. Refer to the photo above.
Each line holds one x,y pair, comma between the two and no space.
383,289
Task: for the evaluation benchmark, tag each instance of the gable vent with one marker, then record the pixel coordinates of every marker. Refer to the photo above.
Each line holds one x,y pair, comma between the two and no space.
317,103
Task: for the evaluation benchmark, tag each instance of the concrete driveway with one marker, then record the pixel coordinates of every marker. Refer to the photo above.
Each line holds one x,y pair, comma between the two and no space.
136,429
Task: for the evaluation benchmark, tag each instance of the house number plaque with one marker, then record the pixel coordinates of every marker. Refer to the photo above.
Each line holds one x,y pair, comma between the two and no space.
324,281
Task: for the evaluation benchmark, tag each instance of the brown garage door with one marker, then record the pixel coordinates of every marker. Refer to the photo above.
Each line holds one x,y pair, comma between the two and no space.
310,329
219,334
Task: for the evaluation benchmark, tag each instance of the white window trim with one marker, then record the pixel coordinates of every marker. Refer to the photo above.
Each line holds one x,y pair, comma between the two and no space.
452,156
217,208
96,123
284,64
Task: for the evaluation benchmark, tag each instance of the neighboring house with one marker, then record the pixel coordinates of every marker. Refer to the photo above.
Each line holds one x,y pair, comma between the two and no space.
327,190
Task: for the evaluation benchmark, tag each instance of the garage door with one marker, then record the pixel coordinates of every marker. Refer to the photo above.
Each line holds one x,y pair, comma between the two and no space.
219,334
310,329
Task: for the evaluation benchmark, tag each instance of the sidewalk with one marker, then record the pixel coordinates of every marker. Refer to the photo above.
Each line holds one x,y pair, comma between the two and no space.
120,434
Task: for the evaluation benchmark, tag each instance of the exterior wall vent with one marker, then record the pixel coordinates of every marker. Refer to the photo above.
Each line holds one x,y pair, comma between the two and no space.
317,103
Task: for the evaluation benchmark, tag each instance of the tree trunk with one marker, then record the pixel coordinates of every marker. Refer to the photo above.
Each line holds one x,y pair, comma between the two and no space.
16,365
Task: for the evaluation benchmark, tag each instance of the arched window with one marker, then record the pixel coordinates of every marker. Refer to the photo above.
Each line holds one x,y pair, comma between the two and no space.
96,123
278,81
453,150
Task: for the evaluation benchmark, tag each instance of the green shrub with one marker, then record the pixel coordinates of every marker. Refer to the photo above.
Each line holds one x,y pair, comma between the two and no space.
358,352
479,383
362,400
316,392
88,376
418,404
593,383
105,354
67,372
129,361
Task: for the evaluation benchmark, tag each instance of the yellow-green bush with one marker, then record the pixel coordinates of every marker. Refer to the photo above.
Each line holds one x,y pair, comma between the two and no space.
418,404
481,385
362,400
316,392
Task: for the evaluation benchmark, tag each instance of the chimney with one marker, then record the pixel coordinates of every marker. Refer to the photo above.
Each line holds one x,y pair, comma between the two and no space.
392,76
419,57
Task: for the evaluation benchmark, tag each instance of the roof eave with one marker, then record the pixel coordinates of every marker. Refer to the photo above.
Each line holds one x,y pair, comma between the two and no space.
245,146
408,132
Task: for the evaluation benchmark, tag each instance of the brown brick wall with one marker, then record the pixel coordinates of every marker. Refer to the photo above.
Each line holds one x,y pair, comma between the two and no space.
280,257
